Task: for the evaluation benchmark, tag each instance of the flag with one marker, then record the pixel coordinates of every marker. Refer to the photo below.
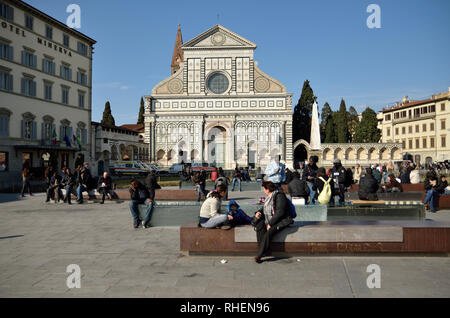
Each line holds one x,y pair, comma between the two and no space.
67,140
77,140
54,136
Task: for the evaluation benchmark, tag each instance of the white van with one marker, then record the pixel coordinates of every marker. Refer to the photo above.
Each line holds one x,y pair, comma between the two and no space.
175,169
127,168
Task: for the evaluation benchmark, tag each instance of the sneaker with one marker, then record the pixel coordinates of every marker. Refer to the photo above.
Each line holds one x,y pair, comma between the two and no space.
258,259
143,224
135,224
225,227
147,225
102,202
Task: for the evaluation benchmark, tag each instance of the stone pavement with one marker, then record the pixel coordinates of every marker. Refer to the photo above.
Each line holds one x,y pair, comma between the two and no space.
38,241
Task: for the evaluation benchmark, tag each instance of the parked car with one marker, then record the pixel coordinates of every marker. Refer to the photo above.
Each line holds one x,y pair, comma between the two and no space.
175,169
127,168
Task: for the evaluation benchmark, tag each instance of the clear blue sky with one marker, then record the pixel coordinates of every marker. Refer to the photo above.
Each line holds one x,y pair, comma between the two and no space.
326,42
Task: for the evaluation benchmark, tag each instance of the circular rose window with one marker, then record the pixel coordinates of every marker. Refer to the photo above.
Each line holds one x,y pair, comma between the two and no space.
218,83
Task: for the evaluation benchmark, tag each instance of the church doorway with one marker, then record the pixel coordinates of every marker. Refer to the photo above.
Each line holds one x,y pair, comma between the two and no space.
300,155
216,146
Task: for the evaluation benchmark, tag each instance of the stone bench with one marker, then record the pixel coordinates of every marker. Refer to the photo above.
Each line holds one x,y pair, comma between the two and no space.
160,195
406,188
442,203
323,238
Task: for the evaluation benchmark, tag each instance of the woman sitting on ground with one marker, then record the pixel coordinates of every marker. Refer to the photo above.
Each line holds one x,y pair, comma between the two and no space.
210,216
272,218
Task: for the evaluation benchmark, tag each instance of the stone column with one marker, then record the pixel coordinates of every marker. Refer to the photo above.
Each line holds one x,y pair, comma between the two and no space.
283,144
288,144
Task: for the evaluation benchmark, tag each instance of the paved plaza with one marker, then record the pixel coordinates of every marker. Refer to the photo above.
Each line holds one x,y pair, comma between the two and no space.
39,240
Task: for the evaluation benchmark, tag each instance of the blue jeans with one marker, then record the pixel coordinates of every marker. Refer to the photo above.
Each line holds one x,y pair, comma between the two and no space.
80,191
312,193
431,195
134,208
215,221
68,193
200,191
234,182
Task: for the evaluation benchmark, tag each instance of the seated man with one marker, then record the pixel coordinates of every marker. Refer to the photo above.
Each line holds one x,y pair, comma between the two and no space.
104,187
84,181
239,216
139,195
55,186
368,187
298,188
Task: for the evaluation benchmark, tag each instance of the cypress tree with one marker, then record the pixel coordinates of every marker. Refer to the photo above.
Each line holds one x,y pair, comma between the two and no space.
342,124
141,112
353,121
108,118
325,115
366,130
330,130
301,120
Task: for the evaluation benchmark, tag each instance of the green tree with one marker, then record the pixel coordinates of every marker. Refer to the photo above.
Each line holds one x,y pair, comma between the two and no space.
325,115
353,121
141,112
342,124
330,130
301,120
366,130
108,118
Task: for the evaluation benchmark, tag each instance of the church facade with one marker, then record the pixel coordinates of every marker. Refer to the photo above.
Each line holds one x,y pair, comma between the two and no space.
218,106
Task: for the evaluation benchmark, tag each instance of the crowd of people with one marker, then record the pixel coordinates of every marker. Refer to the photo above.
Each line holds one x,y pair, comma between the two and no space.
75,183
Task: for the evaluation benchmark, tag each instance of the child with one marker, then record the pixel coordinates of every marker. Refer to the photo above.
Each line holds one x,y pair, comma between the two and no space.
239,216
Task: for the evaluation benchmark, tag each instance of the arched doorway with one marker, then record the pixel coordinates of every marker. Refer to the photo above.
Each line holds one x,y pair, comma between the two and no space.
216,146
300,155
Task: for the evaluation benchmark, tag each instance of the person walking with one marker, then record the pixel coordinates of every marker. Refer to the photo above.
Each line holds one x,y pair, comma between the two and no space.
26,177
197,181
237,176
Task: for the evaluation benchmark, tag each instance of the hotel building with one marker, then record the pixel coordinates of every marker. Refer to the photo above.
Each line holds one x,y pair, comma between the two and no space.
45,92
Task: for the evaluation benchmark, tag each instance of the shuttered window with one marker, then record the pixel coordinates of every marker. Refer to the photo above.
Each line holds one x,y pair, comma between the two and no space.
28,87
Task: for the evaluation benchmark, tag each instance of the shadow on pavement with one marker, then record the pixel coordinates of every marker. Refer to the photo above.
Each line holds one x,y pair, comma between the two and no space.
9,197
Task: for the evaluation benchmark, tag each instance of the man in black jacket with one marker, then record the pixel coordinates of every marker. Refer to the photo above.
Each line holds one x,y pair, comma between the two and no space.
309,175
68,183
368,187
139,195
272,218
298,188
338,174
105,187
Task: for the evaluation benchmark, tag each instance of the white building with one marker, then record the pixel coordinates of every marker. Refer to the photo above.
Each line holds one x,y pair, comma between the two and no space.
45,91
218,106
112,143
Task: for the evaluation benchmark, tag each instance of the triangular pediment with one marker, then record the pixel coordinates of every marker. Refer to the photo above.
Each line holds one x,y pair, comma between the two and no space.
218,37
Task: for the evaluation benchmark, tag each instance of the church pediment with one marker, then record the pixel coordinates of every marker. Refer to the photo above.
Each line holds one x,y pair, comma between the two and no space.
218,37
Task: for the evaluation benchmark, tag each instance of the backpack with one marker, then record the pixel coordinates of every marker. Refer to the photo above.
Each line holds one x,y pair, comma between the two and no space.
348,178
292,212
325,195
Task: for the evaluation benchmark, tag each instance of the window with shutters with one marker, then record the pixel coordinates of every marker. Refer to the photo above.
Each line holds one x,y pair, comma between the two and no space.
81,99
29,126
82,49
65,95
443,142
431,126
81,78
443,124
6,81
66,72
6,12
48,90
424,127
432,142
5,114
48,66
28,87
29,59
29,22
66,40
424,143
49,32
6,51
